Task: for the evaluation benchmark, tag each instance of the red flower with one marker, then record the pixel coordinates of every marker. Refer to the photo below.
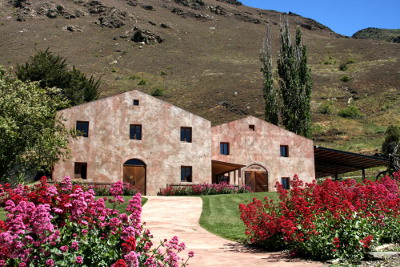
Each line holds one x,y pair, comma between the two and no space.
130,244
119,263
367,241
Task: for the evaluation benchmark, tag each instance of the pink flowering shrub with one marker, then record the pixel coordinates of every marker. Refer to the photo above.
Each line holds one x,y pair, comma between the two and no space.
203,189
64,225
335,219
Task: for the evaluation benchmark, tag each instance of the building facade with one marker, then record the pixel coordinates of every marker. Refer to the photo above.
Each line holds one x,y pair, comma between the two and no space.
139,139
136,138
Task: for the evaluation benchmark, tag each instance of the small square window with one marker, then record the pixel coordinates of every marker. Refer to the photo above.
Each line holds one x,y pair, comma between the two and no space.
285,181
80,170
224,148
186,173
252,127
186,134
135,132
82,128
136,102
284,151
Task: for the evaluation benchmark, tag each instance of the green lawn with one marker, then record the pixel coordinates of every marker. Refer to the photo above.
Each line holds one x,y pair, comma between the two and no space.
221,216
121,208
2,215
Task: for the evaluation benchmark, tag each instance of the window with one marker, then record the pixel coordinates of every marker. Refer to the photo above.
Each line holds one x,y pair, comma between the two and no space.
135,132
82,128
186,173
186,134
284,151
285,181
80,170
252,127
136,102
224,148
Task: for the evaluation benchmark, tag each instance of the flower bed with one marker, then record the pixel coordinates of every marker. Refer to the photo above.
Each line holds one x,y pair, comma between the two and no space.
203,189
336,219
64,225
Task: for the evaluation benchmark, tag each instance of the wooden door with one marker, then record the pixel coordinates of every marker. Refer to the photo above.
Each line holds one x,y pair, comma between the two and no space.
261,181
250,180
257,181
136,175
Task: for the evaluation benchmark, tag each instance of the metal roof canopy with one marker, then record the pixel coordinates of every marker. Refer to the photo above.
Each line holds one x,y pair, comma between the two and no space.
331,162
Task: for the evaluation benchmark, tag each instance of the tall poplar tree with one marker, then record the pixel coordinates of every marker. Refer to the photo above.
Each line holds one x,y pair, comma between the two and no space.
290,103
271,95
295,83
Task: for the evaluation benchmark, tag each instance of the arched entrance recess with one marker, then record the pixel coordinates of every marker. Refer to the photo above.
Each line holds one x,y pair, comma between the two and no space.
135,174
256,177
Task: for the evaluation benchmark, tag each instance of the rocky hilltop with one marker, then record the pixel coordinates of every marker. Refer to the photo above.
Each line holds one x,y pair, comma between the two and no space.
203,55
388,35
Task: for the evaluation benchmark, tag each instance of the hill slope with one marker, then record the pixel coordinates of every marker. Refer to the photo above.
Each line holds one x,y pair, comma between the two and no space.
388,35
204,55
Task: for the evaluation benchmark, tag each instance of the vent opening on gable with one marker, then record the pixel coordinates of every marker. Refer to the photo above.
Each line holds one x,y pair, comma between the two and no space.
136,102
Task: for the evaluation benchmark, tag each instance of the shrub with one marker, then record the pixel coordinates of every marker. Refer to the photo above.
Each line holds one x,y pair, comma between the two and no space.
346,79
335,219
203,189
343,67
350,112
158,92
325,108
64,225
142,82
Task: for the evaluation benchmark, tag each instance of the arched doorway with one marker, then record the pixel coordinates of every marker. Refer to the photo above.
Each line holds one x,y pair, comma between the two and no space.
256,177
135,174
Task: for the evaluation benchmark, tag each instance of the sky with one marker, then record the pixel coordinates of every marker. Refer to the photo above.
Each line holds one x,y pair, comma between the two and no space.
344,17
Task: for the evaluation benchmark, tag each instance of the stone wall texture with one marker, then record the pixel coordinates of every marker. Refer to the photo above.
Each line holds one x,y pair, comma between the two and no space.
261,148
109,146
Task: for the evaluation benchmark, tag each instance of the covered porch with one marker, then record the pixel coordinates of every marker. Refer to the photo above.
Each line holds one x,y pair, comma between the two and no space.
332,162
226,172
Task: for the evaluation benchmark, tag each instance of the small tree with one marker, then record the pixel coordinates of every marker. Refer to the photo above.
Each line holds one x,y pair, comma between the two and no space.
392,140
31,137
52,71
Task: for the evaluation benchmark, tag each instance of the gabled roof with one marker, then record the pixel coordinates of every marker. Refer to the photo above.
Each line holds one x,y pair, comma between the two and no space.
264,122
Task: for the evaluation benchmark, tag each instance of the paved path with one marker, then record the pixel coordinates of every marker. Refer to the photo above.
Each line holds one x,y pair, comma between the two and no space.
169,216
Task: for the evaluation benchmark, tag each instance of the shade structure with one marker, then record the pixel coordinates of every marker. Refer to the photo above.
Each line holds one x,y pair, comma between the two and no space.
331,162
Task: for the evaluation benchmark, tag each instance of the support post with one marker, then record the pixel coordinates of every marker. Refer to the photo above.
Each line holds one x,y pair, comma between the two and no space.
336,176
363,174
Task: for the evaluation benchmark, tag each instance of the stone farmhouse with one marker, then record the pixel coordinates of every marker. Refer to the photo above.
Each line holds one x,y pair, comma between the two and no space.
139,139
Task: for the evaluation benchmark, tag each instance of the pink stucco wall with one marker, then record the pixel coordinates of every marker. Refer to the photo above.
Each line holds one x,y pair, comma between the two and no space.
109,146
262,147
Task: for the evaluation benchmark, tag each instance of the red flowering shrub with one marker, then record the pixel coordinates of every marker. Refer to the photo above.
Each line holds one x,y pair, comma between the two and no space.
203,189
64,225
336,219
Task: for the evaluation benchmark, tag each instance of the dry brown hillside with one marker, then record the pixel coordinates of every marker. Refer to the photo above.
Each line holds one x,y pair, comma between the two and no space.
204,55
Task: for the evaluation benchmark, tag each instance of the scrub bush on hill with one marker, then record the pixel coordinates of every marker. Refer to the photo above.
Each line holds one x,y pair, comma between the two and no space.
204,189
64,225
335,219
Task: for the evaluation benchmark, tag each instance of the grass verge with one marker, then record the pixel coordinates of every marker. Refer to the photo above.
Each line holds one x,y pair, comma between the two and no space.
121,208
221,216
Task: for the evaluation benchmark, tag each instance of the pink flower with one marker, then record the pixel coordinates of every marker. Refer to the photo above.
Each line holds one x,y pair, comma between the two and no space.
79,259
64,248
50,262
191,254
75,245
